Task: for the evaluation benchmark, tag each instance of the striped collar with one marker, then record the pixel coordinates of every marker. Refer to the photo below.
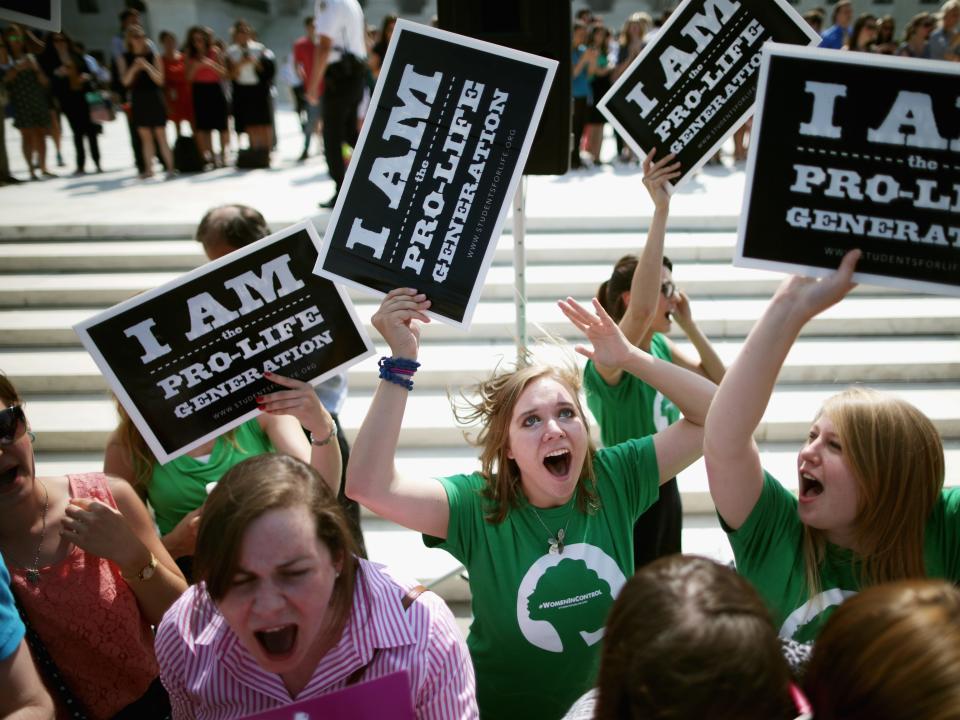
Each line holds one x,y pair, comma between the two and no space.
377,621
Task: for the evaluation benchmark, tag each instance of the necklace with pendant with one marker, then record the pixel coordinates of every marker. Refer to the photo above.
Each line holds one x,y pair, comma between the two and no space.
555,543
33,573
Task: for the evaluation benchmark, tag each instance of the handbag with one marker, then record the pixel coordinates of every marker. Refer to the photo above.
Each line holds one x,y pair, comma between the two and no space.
100,107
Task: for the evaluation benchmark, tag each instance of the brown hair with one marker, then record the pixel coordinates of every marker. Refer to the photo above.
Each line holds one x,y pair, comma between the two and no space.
8,393
493,407
916,22
610,293
896,457
237,229
890,653
257,486
688,638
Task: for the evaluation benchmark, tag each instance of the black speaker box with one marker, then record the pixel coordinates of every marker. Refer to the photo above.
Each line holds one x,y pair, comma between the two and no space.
534,26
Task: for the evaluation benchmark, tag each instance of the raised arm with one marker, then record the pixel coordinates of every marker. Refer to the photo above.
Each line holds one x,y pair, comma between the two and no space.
372,478
710,365
681,443
288,410
731,455
645,283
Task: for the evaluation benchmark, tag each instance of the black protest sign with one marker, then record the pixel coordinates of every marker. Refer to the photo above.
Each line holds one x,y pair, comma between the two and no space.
696,81
431,180
851,150
43,14
187,359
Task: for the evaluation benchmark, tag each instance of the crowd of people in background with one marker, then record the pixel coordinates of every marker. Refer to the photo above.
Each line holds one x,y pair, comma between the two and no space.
600,55
210,88
248,587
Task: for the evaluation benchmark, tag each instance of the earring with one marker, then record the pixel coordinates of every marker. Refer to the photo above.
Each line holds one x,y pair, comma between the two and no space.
32,435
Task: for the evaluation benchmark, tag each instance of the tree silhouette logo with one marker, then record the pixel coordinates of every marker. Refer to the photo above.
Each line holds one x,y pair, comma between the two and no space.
664,411
563,600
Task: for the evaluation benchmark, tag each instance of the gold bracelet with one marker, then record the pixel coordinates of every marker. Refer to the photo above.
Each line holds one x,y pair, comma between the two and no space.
327,439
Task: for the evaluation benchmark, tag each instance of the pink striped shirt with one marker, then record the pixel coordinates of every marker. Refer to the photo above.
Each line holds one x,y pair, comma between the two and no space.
211,676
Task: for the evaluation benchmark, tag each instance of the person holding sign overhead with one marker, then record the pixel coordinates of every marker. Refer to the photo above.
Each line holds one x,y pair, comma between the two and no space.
286,611
642,298
544,527
177,490
871,506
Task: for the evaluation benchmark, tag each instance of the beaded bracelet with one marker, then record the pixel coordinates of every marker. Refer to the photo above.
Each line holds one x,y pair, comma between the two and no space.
398,371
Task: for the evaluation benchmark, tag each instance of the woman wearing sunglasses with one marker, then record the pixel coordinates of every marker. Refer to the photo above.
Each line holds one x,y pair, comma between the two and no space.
626,407
90,575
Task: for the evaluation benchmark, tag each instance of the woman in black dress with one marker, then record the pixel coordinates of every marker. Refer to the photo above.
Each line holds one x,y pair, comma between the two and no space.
70,80
205,72
144,77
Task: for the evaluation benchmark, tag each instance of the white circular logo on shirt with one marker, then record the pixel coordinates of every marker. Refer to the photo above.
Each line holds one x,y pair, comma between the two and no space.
564,598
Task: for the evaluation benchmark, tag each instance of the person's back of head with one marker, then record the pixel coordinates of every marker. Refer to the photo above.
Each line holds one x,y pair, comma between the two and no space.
229,227
688,638
890,653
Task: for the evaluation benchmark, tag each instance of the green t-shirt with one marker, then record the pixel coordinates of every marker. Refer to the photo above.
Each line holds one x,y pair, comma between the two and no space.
180,486
631,408
538,617
768,549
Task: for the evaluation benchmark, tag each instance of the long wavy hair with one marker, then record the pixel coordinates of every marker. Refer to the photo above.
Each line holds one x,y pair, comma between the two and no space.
896,456
490,404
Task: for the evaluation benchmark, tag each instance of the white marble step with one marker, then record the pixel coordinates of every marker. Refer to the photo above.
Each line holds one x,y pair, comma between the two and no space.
82,422
543,282
494,320
44,370
137,253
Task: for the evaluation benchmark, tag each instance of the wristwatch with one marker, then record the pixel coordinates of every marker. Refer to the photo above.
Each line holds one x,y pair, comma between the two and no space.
147,571
326,441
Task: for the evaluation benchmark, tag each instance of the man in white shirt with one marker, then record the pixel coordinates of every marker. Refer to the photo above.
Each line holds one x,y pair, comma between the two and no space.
340,59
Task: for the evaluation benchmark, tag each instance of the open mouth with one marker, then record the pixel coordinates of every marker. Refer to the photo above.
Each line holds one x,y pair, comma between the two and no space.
558,462
277,641
809,486
8,476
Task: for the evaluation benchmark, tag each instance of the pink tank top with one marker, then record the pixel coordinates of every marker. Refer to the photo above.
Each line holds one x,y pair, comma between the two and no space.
89,620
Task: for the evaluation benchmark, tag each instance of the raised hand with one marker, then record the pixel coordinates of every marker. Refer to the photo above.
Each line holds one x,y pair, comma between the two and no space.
808,297
610,346
657,174
299,400
394,321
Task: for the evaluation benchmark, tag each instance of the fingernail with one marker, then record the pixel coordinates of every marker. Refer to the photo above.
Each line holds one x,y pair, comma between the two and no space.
259,399
261,407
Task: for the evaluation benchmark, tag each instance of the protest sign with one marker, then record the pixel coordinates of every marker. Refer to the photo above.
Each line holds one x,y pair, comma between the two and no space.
383,697
854,150
187,359
696,81
438,162
42,14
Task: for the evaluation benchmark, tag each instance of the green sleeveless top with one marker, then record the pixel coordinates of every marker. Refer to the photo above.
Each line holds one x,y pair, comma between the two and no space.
180,486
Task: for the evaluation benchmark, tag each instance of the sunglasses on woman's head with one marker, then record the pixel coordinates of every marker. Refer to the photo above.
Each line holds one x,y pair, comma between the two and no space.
13,424
668,289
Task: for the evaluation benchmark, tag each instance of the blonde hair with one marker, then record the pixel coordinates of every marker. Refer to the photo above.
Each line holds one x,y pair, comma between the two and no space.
896,457
890,653
490,403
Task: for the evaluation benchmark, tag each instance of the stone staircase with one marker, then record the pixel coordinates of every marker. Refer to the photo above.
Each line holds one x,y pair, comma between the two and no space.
908,344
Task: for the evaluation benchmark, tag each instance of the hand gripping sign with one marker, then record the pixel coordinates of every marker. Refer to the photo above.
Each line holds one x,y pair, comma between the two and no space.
187,359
